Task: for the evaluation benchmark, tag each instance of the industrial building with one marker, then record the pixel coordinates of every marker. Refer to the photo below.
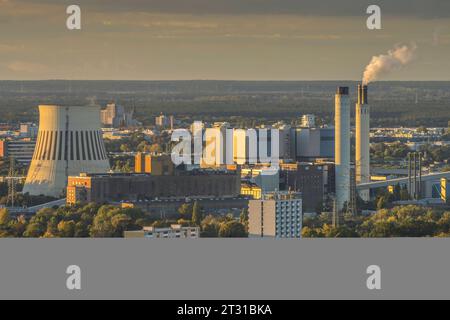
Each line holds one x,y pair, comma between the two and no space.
306,178
311,143
252,190
276,215
21,150
101,188
266,178
69,142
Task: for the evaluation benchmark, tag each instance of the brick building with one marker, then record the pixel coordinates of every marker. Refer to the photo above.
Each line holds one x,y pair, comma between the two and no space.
101,188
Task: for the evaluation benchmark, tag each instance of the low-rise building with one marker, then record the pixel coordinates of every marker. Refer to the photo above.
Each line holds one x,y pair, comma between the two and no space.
175,231
21,150
117,187
155,164
251,189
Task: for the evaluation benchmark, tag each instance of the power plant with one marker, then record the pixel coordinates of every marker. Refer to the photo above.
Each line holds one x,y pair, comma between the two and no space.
362,157
69,142
342,147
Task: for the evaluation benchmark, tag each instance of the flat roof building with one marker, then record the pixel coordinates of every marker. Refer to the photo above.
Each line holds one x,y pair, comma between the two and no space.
101,188
21,150
307,178
175,231
276,215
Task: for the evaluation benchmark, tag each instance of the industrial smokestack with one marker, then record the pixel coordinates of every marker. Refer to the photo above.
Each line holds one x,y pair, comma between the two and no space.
342,147
362,157
362,94
385,63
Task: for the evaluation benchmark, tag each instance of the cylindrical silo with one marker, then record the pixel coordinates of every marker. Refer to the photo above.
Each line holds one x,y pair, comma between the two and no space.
69,142
342,147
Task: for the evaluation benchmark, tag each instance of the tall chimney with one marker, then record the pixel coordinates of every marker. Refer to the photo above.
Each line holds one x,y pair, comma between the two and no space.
362,157
342,147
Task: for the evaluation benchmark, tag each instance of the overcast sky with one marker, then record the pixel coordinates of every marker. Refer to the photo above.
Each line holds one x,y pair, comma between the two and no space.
219,39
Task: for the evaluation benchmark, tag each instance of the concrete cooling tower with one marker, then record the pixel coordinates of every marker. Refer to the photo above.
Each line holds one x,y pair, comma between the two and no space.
69,142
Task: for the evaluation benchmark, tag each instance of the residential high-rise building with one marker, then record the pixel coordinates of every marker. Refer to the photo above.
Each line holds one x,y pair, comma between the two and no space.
115,116
276,215
164,122
215,152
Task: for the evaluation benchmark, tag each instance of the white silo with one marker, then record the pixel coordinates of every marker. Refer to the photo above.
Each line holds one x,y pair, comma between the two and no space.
362,157
69,142
342,147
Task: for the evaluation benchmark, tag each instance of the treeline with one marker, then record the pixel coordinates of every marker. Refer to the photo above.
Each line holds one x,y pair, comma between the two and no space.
405,221
386,111
106,221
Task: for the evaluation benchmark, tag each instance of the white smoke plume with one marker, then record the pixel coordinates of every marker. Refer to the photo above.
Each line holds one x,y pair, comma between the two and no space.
385,63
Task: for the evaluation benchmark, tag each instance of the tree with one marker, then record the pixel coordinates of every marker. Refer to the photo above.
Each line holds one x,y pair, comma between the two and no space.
185,210
34,230
4,217
381,203
210,230
243,219
120,222
66,229
397,192
196,214
125,148
308,232
156,148
232,229
102,226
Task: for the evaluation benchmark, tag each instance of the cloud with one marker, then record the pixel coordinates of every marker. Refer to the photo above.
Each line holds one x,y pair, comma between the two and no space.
417,8
7,48
26,67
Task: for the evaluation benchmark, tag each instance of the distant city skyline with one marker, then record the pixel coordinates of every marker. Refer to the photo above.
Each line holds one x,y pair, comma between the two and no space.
219,40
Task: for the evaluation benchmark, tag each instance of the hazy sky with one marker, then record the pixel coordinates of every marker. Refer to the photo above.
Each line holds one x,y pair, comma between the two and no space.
219,39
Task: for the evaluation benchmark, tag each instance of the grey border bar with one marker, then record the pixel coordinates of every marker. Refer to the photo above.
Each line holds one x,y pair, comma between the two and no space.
233,269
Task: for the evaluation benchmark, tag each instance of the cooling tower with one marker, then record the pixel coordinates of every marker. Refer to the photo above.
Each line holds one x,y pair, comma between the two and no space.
69,142
362,158
342,146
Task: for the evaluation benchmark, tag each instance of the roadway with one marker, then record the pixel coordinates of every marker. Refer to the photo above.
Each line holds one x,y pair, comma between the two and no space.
384,184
